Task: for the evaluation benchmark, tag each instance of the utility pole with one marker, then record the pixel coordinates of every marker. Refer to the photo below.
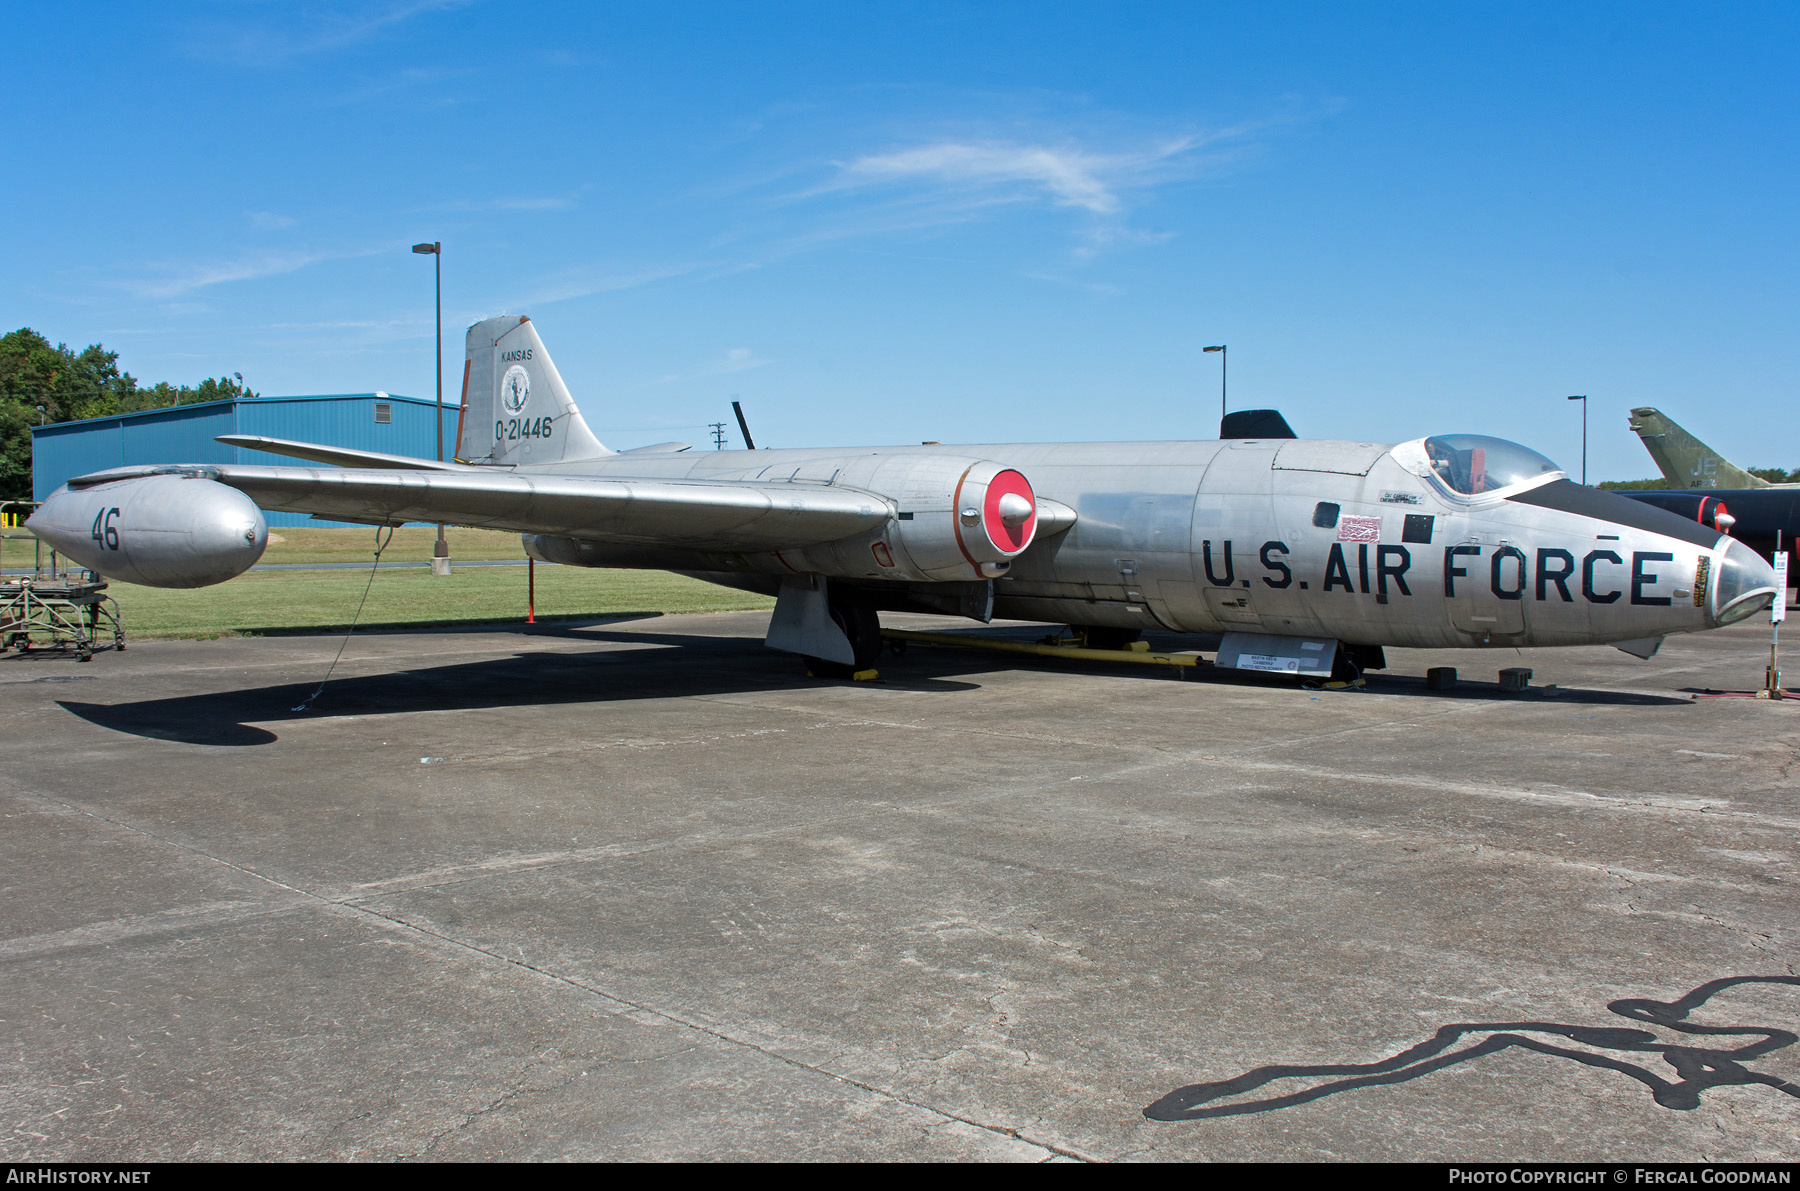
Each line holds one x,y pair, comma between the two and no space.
440,552
718,431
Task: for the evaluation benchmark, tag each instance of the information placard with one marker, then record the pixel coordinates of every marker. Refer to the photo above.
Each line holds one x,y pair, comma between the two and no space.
1778,611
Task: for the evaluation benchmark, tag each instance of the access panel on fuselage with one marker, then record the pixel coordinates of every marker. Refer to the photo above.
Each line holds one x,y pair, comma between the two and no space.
1232,518
1349,545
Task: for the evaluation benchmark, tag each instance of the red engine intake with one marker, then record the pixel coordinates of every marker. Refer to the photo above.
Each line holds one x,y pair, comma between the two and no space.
1714,515
1006,518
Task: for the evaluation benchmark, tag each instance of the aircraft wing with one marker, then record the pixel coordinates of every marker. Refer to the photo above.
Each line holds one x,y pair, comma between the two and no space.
700,514
339,456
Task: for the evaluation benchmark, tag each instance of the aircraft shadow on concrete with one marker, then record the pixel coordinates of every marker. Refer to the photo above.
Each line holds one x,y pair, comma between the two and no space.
693,666
1399,684
1696,1068
1378,682
686,665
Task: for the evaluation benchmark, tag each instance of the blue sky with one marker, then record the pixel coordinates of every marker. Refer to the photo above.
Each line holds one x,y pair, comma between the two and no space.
887,223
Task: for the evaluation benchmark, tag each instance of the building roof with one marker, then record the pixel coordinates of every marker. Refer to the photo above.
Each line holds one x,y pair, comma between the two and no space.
166,410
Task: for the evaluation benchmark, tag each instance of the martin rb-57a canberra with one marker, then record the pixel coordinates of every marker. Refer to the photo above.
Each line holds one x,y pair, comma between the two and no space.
1306,555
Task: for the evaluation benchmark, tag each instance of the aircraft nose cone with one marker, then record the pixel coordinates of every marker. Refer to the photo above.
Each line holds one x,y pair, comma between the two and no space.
1015,509
1746,585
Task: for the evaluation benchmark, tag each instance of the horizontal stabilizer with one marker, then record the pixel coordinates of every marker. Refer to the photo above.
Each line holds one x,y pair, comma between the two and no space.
336,456
735,515
658,448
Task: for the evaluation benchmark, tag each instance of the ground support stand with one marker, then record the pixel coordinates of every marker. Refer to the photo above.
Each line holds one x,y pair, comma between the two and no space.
60,613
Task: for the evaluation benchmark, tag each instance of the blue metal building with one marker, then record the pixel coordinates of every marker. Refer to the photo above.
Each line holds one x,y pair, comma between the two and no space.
185,433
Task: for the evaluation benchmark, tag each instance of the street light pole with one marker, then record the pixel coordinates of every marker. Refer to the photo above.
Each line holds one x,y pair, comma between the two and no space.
1223,355
440,552
1582,397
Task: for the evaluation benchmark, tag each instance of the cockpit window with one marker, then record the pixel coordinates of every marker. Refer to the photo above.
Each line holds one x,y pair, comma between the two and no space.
1474,463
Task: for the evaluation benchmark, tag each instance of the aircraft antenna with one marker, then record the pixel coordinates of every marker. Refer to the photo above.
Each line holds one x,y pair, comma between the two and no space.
749,443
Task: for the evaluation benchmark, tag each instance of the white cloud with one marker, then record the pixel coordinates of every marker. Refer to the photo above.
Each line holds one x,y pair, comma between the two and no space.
182,280
520,203
583,282
737,359
310,30
1095,171
1065,175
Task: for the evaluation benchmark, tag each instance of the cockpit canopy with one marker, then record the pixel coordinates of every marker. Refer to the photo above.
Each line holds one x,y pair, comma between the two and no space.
1474,463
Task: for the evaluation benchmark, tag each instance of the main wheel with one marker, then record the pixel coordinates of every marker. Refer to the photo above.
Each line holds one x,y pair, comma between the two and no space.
853,613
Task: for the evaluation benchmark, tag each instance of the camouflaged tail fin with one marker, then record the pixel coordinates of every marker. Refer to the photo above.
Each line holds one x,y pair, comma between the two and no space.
1686,462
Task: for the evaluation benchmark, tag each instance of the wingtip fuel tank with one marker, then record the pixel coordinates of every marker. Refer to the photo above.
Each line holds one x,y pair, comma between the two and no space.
174,530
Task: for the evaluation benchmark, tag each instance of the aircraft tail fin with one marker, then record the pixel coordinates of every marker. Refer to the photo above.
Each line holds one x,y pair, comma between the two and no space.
515,407
1686,462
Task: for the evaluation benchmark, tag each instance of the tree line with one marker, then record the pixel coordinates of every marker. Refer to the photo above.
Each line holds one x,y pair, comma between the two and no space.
41,382
1775,475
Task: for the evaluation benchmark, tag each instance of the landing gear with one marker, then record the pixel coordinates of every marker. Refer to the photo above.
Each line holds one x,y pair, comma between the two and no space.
1352,660
1097,636
854,613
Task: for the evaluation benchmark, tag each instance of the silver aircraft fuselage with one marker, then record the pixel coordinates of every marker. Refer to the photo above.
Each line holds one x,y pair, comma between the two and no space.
1356,541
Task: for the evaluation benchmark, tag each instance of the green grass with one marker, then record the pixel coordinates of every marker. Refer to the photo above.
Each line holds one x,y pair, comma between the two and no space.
287,601
412,543
301,601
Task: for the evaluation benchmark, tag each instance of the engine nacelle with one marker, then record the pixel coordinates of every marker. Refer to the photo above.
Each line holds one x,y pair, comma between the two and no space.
161,531
956,519
992,519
